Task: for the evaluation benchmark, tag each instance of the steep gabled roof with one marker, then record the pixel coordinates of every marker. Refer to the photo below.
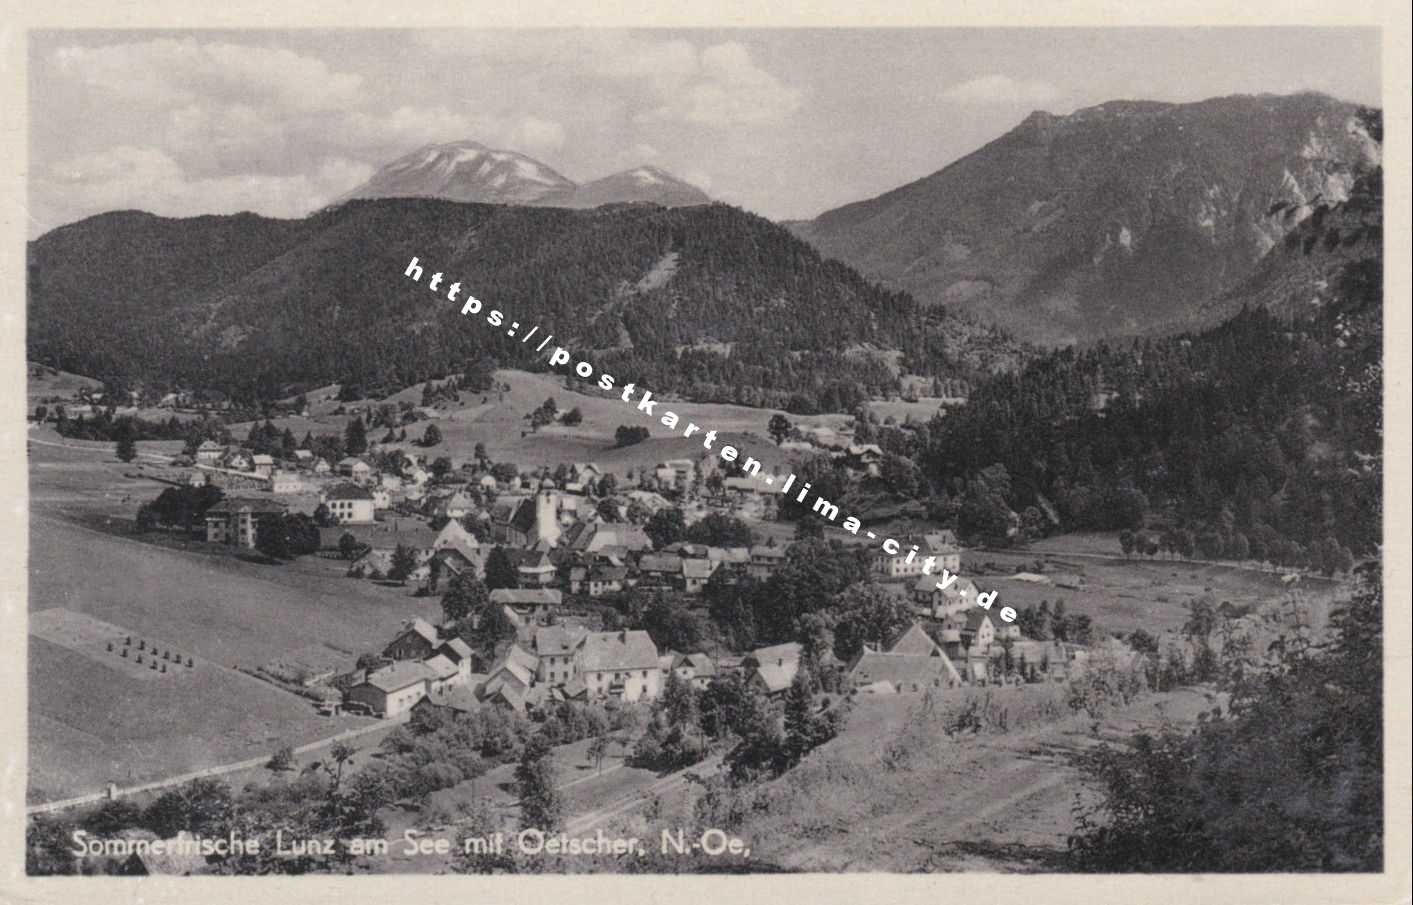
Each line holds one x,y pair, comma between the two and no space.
524,518
455,649
440,667
622,650
903,670
776,676
557,640
913,640
421,627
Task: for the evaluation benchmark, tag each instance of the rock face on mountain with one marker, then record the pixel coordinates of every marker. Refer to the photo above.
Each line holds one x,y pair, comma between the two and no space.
1110,221
470,171
643,184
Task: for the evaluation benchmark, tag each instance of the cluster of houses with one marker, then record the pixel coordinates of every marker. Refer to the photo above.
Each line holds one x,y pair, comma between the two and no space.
548,662
559,541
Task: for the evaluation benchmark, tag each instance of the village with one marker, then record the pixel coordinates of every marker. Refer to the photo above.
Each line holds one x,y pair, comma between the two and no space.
574,539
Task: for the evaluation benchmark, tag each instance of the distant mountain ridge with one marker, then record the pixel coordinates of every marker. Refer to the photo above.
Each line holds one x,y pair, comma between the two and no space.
707,301
1111,220
469,171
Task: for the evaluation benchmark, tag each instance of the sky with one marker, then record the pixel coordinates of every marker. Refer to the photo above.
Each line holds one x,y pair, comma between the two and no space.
787,123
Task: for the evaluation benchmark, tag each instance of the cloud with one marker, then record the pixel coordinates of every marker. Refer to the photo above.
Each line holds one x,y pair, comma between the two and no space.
181,71
1001,89
532,135
407,128
147,178
727,89
699,178
666,80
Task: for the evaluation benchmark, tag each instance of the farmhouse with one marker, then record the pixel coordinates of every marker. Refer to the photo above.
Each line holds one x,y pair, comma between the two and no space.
874,671
355,468
959,595
234,521
605,579
771,669
527,602
696,573
455,536
660,570
393,689
456,699
974,626
697,669
911,662
764,561
209,452
417,641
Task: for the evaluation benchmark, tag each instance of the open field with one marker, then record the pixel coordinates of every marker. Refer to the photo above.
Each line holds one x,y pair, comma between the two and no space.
986,802
87,716
1122,595
924,409
501,420
92,722
45,383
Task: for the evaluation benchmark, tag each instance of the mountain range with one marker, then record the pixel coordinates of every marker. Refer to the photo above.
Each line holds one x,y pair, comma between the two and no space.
1117,219
470,171
707,301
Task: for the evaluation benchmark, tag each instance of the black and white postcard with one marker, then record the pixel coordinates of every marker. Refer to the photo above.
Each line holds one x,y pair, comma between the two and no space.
702,457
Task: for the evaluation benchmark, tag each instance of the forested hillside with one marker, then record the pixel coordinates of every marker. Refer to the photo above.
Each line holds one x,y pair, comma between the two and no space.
707,301
1263,435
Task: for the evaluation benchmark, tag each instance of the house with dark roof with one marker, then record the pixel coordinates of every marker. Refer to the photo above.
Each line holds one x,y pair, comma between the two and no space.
355,468
234,520
349,504
604,579
533,567
556,646
457,699
417,640
698,669
764,561
513,672
660,570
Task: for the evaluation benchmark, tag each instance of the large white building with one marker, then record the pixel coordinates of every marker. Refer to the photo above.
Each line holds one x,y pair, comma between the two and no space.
350,504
